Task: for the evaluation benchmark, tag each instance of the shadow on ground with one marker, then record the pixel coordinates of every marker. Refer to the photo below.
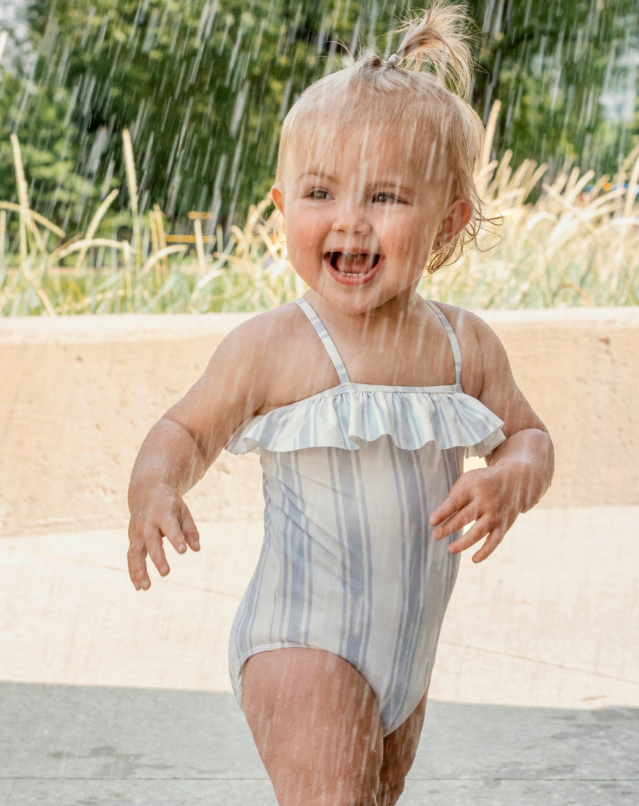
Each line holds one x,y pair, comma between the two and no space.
92,746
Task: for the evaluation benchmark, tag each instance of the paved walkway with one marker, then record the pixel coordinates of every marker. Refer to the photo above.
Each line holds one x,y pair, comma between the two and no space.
117,697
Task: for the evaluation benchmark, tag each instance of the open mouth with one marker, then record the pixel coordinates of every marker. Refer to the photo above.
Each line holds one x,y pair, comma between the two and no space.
353,264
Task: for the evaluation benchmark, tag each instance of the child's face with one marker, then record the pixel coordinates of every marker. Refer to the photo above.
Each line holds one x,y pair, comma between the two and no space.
362,215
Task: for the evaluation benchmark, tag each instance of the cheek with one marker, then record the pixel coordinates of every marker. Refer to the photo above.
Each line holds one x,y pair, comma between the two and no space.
416,238
411,246
303,232
300,248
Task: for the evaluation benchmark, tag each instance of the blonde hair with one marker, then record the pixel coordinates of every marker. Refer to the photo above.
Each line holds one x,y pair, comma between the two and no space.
427,94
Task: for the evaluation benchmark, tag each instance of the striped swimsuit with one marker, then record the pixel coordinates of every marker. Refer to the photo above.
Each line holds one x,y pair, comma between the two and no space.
348,564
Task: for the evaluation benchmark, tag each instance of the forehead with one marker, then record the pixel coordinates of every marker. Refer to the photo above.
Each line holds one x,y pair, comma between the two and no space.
369,147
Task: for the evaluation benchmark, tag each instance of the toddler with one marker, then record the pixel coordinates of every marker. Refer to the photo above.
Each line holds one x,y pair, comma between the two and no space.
362,399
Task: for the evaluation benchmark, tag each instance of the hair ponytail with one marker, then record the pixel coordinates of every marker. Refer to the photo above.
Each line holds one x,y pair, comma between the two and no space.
439,39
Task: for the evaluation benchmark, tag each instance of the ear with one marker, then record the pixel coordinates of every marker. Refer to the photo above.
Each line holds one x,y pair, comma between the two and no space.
277,194
458,215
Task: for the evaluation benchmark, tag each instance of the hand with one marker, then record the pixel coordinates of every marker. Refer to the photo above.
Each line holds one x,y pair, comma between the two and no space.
162,514
485,497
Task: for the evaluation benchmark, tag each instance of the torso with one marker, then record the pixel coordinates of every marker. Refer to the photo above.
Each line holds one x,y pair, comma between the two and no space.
418,354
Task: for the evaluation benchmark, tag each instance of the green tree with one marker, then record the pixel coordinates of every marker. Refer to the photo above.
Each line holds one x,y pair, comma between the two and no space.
202,85
550,64
38,115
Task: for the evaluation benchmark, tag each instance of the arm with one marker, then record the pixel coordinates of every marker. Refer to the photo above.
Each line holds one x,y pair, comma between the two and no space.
183,444
519,470
168,464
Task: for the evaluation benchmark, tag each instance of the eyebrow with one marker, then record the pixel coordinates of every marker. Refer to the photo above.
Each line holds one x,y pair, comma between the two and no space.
318,174
383,182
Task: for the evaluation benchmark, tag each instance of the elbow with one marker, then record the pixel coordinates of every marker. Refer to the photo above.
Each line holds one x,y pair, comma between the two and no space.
197,442
529,455
542,468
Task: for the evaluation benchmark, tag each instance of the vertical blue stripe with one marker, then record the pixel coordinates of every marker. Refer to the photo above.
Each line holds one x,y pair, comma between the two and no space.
285,526
297,565
367,559
339,526
245,618
451,461
354,542
399,642
413,547
418,586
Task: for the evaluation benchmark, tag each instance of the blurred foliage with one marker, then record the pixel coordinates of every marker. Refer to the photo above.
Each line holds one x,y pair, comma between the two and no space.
39,115
550,65
204,84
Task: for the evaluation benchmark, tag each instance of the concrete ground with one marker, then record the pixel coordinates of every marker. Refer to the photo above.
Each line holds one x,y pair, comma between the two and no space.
110,696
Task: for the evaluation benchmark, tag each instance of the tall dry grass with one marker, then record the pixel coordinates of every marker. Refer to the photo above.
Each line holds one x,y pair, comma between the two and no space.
576,244
569,240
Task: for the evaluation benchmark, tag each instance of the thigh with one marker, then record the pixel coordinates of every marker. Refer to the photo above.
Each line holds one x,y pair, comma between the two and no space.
400,748
316,725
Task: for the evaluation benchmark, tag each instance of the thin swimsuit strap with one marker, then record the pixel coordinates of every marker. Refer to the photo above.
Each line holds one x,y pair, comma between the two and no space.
327,341
452,338
335,357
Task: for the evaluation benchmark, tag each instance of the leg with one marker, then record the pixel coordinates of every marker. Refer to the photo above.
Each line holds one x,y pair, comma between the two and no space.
400,748
316,725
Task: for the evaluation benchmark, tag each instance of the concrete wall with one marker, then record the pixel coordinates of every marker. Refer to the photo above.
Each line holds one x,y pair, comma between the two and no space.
77,396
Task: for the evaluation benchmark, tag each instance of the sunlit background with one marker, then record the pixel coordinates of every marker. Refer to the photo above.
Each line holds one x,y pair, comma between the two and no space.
138,143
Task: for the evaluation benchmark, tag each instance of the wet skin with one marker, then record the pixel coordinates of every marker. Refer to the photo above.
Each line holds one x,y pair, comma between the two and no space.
362,217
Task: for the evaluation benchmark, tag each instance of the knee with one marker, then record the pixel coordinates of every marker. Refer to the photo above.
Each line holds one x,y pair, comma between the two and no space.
328,793
342,778
330,787
392,780
350,793
389,792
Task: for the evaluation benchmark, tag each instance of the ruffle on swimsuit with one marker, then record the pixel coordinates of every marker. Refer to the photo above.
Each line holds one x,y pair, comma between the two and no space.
350,414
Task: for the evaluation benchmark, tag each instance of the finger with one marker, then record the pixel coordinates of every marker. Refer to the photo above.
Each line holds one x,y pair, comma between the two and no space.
457,498
172,530
155,550
189,530
136,561
492,541
444,511
476,532
458,520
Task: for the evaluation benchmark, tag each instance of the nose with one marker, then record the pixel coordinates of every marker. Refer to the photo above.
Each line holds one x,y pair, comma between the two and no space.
351,218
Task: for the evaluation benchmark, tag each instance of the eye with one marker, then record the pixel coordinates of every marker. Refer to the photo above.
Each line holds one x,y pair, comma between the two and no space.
319,194
387,198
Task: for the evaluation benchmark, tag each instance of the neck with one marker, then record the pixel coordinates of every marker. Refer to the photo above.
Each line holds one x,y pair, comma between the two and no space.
393,313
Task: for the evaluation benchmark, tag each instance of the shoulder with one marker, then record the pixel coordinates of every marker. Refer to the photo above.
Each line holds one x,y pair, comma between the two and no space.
482,351
238,380
273,359
261,335
486,372
466,324
254,355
